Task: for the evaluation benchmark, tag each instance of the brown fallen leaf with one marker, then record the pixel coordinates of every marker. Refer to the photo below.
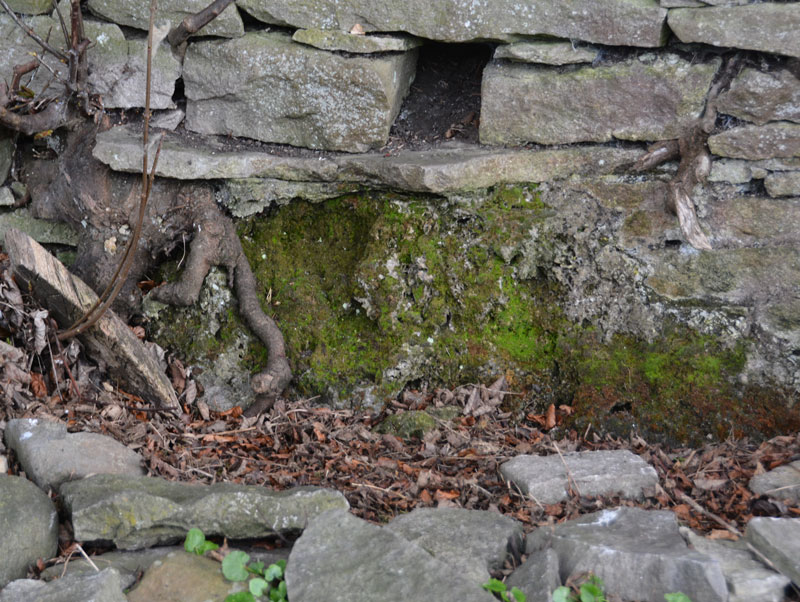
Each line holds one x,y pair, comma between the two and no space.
550,418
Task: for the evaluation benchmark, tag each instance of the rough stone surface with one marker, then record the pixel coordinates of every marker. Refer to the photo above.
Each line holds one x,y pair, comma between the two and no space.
472,541
614,22
294,94
16,46
785,183
451,169
748,579
248,196
30,7
639,555
770,27
733,171
118,69
41,230
139,512
759,96
545,52
51,456
782,483
6,199
338,550
183,577
134,13
167,120
526,103
774,140
537,577
31,534
779,540
340,41
105,586
595,473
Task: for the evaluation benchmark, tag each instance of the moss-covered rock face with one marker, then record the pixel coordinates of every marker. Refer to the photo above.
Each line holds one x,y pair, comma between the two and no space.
375,291
575,291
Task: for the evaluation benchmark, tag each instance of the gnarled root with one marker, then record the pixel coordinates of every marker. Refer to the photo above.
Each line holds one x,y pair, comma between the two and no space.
216,243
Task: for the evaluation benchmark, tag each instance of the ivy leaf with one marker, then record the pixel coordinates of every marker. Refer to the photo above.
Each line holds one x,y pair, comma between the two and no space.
234,566
273,572
206,546
194,539
677,597
562,594
258,587
518,595
256,567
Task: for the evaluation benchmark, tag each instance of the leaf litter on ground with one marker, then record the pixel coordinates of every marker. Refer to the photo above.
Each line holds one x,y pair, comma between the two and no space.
299,443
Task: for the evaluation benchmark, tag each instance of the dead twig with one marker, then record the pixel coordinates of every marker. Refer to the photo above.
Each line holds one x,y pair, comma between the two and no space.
194,23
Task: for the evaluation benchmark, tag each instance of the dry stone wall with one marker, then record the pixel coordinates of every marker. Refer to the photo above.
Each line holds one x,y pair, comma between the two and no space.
573,92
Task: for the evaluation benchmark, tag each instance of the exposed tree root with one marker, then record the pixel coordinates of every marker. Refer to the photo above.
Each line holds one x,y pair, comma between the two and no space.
695,164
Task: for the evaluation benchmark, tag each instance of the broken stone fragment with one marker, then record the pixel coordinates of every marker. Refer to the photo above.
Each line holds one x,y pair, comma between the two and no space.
773,140
339,41
67,298
759,96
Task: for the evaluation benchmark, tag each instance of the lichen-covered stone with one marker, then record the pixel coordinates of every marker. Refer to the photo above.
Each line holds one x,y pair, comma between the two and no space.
783,183
248,196
118,69
134,13
333,40
525,103
615,22
267,87
546,52
773,140
767,26
138,512
760,96
30,7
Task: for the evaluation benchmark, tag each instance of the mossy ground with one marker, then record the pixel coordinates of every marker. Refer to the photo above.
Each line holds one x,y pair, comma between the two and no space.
376,291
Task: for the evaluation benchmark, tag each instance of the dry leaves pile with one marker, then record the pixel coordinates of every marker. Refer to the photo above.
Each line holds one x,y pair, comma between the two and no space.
296,443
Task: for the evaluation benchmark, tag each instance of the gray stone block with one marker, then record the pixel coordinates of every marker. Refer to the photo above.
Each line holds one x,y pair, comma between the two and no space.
537,577
105,586
779,540
527,103
294,94
595,473
28,527
340,558
768,26
50,455
639,555
774,140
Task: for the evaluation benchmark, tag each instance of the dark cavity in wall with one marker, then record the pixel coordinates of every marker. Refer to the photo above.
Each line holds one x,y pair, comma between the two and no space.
444,102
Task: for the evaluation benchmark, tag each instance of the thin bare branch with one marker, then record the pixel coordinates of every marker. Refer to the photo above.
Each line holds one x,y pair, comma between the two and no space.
45,46
194,23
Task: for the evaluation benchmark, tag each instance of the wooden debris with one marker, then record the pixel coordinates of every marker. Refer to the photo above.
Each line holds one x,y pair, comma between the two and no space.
67,298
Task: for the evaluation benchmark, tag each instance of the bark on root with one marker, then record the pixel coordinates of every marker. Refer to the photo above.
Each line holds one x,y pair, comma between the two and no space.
216,243
695,160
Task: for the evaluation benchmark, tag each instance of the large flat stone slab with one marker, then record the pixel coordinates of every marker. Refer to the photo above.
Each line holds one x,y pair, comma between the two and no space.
759,96
449,169
546,52
615,22
595,473
773,140
138,512
768,26
290,93
50,455
527,103
134,13
639,555
473,541
779,540
67,298
338,551
28,527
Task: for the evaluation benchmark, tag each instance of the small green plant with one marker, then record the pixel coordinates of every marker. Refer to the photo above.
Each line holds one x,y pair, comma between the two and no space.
589,591
265,581
498,587
677,597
